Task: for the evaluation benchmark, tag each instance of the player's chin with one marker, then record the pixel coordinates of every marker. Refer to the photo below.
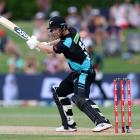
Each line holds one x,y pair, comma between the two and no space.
56,36
50,37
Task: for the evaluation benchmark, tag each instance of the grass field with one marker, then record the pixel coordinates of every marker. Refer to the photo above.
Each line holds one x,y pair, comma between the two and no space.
38,123
112,64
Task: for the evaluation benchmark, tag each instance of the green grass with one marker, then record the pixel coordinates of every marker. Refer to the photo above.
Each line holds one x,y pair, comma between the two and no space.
45,116
112,64
118,65
48,116
29,137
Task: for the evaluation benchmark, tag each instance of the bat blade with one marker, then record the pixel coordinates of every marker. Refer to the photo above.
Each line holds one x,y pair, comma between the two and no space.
21,33
11,26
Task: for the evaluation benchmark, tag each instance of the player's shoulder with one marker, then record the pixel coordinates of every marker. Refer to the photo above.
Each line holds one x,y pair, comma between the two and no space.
72,30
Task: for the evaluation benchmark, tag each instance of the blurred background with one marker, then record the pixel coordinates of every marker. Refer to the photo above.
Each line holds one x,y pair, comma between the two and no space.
110,30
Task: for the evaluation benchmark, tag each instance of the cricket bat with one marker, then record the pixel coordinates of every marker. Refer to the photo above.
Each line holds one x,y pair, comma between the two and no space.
14,28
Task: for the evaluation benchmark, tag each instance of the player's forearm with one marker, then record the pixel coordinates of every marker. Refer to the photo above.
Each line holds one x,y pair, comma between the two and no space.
47,47
52,43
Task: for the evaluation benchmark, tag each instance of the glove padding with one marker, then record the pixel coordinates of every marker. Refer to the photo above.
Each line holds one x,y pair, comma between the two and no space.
32,42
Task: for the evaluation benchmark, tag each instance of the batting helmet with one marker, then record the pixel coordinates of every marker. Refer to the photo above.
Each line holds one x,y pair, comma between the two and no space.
57,22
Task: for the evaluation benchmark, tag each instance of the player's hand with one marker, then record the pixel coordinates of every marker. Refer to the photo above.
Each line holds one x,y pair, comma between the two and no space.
32,42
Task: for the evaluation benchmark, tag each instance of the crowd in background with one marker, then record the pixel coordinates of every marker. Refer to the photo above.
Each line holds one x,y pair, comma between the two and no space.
99,29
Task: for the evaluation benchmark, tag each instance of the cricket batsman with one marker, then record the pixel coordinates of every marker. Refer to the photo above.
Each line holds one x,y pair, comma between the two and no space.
78,81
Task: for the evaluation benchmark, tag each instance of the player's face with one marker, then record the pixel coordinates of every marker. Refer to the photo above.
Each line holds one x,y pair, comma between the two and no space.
56,32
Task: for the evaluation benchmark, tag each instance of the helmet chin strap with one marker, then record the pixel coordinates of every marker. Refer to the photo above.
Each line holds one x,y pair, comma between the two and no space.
62,30
61,33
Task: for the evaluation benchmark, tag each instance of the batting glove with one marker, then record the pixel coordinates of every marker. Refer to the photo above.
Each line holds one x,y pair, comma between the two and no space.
32,42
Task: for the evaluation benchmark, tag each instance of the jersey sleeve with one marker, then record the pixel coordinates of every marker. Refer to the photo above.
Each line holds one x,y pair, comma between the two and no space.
59,48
